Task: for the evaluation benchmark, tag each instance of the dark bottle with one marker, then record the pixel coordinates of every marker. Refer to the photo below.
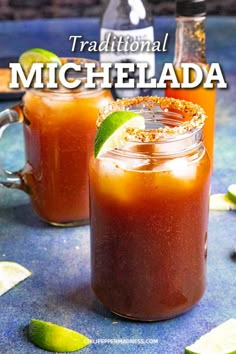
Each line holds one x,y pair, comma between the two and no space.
129,20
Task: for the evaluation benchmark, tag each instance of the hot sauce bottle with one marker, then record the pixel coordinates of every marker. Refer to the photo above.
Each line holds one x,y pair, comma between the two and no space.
190,47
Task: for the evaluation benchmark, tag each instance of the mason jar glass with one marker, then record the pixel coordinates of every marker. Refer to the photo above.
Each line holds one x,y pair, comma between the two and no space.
149,217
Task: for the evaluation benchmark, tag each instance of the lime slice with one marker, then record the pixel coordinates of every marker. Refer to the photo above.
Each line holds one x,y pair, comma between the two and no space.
232,193
221,202
11,274
54,338
110,134
220,340
37,55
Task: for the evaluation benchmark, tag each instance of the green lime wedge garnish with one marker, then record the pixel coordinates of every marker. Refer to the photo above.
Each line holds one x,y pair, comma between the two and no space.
54,338
37,55
220,340
232,193
110,134
221,202
11,274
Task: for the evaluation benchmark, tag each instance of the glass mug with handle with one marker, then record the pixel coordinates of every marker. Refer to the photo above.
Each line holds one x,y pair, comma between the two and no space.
59,129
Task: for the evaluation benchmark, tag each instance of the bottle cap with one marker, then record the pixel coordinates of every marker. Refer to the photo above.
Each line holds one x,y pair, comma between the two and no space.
190,8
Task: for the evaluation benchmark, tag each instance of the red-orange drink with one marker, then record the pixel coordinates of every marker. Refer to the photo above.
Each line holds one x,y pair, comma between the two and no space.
149,217
59,135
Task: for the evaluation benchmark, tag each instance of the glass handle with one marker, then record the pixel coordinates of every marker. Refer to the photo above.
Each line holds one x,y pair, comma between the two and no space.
11,179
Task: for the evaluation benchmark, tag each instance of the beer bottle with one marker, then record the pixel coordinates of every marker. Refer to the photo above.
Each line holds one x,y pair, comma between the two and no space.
131,21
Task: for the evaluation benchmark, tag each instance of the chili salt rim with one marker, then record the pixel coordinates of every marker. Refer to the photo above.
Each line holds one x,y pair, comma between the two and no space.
195,115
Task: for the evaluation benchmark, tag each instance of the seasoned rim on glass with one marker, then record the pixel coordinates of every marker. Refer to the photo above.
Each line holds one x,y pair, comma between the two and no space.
194,114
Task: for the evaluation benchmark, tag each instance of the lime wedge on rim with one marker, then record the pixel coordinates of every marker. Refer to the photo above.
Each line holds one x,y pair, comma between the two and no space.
37,55
221,202
54,338
11,274
232,193
110,134
220,340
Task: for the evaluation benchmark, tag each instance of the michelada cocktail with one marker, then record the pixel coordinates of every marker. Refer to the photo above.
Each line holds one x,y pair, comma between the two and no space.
59,129
59,142
149,213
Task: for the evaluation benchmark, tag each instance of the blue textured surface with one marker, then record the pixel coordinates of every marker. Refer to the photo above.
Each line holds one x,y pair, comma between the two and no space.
59,288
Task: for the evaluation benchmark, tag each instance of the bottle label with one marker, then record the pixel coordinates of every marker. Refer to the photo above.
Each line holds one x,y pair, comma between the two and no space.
126,54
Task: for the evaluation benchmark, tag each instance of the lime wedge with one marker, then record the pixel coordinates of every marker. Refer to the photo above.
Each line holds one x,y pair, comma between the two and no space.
37,55
232,193
11,274
220,340
221,202
110,134
54,338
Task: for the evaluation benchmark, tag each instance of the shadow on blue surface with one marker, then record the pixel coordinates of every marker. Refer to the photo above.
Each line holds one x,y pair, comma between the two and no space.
22,214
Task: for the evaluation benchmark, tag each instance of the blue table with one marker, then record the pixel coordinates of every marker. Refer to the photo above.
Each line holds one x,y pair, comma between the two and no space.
59,288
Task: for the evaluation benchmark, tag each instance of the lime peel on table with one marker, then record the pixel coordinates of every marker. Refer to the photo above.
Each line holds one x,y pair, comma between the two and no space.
220,340
11,274
232,193
221,202
55,338
37,55
110,134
